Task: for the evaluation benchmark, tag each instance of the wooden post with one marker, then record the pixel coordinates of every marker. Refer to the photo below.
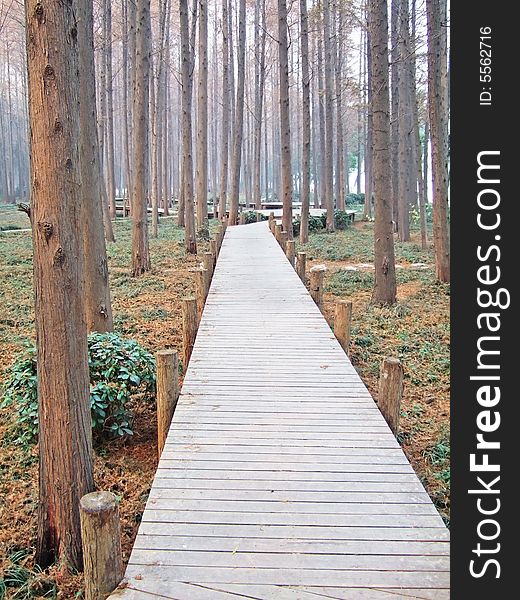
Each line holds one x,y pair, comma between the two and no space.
317,275
342,323
289,251
213,248
391,391
167,393
189,329
242,218
208,261
301,265
278,232
101,539
283,239
258,216
201,288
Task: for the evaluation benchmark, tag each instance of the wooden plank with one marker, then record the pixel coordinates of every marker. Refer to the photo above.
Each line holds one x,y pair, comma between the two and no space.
295,577
292,546
239,559
287,532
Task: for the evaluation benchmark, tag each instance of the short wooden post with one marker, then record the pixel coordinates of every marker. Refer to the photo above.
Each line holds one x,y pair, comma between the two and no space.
271,218
258,216
283,239
289,251
301,265
208,261
167,393
201,288
101,540
242,218
391,391
189,329
214,250
316,288
278,232
342,323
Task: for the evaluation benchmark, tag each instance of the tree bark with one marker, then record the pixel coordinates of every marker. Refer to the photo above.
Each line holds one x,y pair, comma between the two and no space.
285,129
224,140
329,118
385,284
187,161
97,291
260,40
65,442
437,102
239,114
201,176
141,145
306,124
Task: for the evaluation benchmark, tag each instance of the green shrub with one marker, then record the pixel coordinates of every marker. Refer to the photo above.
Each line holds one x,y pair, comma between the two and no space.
341,219
119,368
355,199
250,216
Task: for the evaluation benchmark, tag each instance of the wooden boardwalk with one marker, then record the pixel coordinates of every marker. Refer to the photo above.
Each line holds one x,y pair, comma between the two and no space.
280,479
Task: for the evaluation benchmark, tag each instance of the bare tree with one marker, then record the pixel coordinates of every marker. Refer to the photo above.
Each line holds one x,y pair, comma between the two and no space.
224,143
97,292
238,130
201,176
285,129
438,117
384,261
306,124
65,445
141,144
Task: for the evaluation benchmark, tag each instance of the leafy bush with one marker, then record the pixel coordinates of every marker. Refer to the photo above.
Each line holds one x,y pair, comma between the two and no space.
250,216
315,224
341,219
120,369
355,199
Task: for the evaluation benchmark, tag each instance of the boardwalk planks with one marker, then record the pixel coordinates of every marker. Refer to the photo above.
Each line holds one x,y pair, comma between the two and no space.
280,479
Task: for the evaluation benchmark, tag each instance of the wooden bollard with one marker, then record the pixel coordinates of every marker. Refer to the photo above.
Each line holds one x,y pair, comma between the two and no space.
258,216
167,393
289,251
316,288
101,540
242,218
208,261
391,391
342,323
283,239
189,329
278,232
201,288
214,250
301,265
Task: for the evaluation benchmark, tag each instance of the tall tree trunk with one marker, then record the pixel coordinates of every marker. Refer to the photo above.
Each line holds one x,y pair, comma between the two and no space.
437,102
260,39
384,261
224,142
97,293
369,128
394,127
187,161
321,116
340,157
329,118
201,177
111,187
65,435
285,129
239,114
126,104
141,145
306,124
407,170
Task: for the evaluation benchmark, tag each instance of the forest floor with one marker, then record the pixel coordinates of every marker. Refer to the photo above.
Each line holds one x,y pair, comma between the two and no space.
148,309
